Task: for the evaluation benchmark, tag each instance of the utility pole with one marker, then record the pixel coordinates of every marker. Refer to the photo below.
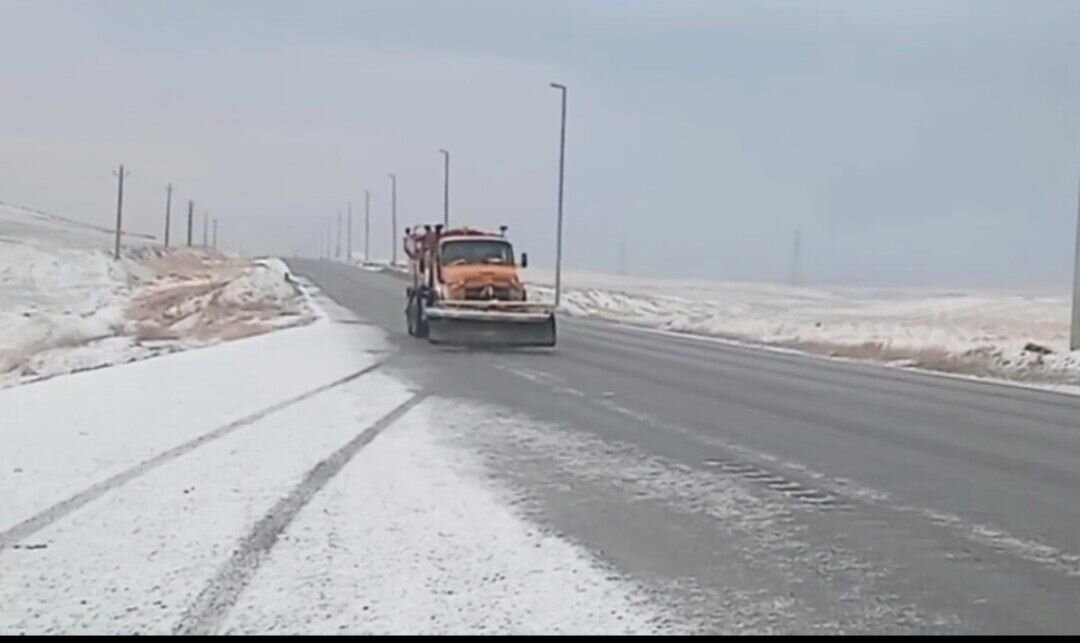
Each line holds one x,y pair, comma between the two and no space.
168,212
446,188
205,229
367,226
190,221
215,233
119,209
1074,331
337,252
562,168
393,220
796,276
348,237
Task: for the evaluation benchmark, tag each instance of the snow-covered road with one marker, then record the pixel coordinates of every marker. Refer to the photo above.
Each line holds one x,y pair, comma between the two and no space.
283,483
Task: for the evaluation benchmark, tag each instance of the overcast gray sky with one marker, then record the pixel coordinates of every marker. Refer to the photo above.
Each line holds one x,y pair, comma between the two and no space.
914,142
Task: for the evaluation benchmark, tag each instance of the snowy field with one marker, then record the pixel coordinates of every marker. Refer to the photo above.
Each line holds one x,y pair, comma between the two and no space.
1010,335
183,510
66,305
282,482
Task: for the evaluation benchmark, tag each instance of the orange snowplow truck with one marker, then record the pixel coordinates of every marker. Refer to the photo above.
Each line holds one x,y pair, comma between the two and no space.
466,290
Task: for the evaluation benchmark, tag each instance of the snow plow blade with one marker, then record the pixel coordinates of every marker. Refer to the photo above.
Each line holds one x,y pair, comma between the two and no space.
491,328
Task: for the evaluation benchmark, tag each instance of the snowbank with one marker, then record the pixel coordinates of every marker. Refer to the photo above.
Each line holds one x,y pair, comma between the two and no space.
66,305
1023,336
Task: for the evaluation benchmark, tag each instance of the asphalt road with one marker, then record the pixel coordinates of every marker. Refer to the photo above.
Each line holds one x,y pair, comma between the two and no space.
758,490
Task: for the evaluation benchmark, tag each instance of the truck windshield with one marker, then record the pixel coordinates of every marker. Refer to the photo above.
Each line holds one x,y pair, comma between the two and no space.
477,251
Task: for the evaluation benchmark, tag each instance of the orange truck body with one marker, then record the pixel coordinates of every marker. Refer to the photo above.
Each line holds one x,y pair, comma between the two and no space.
466,289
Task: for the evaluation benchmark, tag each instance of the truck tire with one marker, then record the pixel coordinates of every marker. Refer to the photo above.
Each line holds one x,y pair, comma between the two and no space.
419,321
409,316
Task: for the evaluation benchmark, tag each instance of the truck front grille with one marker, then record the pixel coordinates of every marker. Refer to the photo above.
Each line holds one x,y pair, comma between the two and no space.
489,293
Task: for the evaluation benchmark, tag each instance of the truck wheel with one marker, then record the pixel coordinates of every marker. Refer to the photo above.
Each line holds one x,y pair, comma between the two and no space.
419,324
409,326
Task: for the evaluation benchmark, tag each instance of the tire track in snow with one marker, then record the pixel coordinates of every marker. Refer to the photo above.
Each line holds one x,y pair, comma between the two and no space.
210,608
65,508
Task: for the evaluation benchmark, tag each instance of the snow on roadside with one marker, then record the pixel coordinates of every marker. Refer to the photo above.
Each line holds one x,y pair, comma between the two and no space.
137,558
66,305
1021,336
65,434
409,538
410,529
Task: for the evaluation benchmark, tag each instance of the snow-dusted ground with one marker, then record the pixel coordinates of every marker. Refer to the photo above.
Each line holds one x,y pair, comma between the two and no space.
411,538
66,305
233,489
1000,334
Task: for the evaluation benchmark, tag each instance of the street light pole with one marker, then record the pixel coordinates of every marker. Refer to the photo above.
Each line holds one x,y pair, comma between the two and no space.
1074,331
393,219
367,226
168,212
446,187
348,236
562,166
337,251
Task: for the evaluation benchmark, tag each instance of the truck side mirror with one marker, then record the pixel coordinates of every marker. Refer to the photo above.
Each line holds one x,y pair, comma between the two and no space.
524,260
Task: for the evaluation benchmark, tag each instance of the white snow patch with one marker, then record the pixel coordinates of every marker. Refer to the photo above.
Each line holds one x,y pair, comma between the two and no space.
62,435
408,529
67,305
407,539
134,560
